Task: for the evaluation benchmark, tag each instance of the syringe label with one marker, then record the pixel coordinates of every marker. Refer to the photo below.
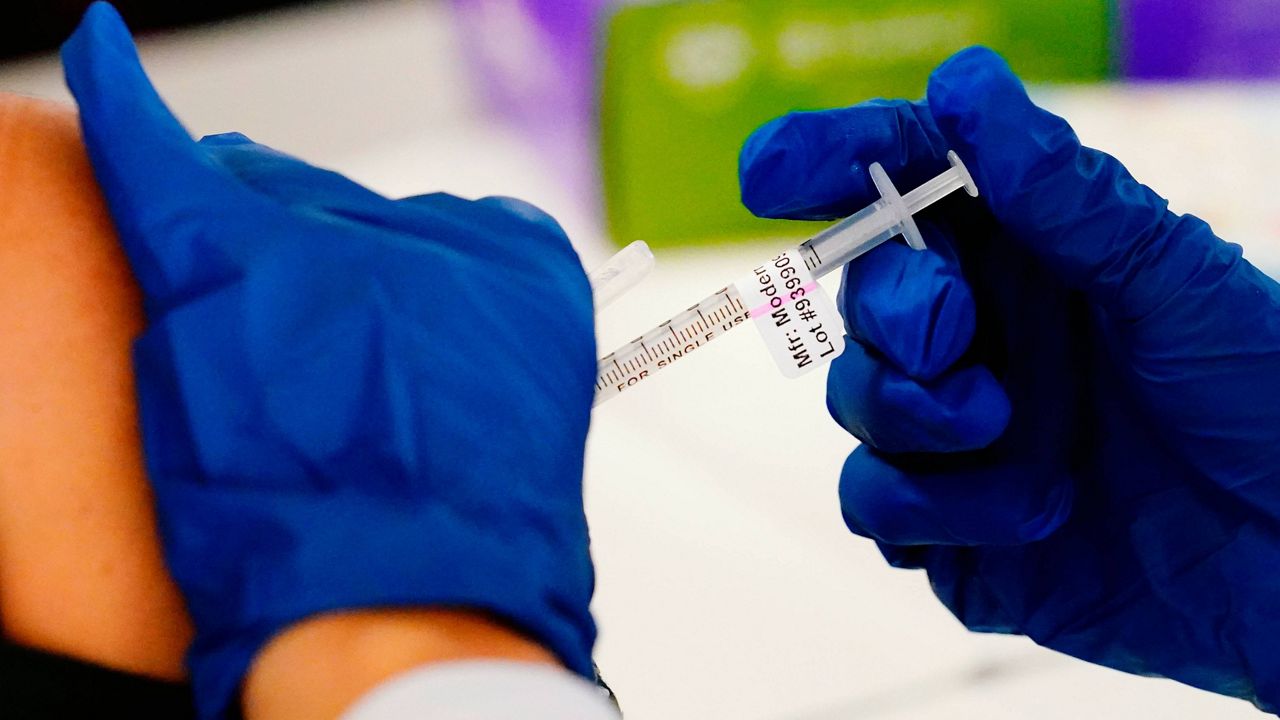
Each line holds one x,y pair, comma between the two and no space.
769,308
799,323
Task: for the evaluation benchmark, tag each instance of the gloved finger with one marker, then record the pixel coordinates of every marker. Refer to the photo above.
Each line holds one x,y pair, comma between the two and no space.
952,500
442,217
432,201
913,307
813,165
509,216
290,180
968,594
501,207
964,409
536,225
502,220
147,165
1077,209
527,212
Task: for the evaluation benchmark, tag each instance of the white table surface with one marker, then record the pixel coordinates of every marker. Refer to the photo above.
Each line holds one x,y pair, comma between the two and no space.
728,586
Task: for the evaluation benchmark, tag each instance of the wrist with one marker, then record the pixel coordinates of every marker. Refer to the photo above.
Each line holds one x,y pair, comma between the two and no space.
320,666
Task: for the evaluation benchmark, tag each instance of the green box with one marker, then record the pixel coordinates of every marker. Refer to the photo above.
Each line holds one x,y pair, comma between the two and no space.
685,83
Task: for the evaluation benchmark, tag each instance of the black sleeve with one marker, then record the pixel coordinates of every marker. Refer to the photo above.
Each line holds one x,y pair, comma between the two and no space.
28,26
36,685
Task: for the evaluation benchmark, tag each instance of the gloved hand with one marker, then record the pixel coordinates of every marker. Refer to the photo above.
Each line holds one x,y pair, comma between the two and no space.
1069,406
346,401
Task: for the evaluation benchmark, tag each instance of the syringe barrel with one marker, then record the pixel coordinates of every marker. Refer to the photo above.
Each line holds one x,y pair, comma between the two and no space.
849,238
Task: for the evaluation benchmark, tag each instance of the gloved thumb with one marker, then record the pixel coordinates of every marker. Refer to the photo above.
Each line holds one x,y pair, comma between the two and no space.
137,146
153,176
1077,209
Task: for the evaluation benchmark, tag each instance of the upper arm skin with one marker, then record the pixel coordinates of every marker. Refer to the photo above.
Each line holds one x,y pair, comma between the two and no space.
81,571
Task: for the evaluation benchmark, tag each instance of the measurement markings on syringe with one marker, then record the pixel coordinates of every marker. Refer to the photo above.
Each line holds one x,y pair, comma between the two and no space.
671,341
811,258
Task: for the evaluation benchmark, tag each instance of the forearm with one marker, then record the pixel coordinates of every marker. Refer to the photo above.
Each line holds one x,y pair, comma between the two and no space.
318,668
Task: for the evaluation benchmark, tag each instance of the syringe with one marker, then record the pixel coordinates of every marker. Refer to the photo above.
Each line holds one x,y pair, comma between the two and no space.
726,309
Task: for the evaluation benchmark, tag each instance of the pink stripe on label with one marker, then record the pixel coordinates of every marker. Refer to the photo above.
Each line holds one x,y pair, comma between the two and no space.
767,308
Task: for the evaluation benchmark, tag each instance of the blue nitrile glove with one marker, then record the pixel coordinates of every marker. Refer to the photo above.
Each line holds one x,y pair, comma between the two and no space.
346,401
1070,404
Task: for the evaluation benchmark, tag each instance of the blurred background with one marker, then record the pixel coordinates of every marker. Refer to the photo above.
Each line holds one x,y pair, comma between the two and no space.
727,585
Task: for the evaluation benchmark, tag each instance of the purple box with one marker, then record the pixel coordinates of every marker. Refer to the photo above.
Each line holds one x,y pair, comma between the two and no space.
536,61
1201,39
